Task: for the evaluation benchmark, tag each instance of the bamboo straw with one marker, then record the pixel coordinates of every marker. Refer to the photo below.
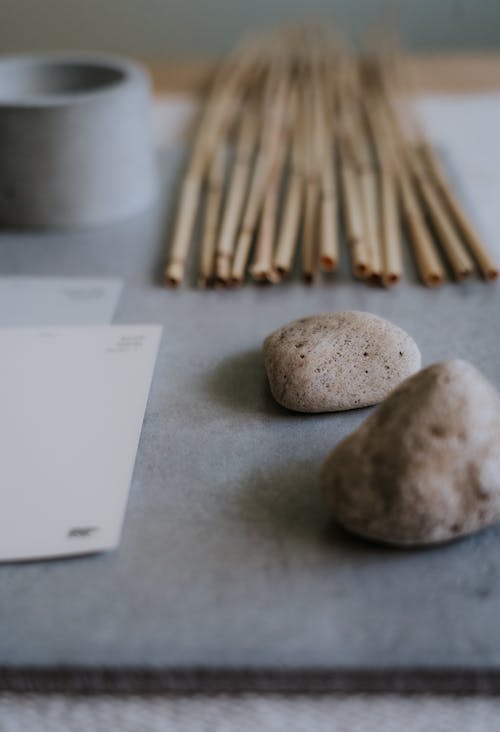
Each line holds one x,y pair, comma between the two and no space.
329,240
212,215
262,267
347,114
386,156
353,211
222,103
369,187
310,229
389,226
237,189
189,200
249,221
483,258
428,262
456,254
311,157
267,157
370,200
294,196
290,224
219,109
351,200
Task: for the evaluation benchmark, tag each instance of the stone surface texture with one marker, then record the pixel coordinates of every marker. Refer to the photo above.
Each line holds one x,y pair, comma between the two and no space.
425,466
338,361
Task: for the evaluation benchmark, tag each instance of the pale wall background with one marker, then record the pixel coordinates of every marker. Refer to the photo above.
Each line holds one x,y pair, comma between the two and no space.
197,27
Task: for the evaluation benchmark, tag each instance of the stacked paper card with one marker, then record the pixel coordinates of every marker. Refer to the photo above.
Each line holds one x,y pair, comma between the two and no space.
73,401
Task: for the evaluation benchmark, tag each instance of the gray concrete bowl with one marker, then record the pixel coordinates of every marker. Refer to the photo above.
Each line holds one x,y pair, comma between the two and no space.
76,145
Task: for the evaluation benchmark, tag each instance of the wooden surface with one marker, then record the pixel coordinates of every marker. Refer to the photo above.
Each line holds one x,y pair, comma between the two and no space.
432,72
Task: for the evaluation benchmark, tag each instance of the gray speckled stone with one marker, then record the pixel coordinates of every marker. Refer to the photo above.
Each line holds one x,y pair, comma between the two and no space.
425,466
337,361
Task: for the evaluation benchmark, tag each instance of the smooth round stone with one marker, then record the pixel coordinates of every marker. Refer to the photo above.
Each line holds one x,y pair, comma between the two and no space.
337,361
425,466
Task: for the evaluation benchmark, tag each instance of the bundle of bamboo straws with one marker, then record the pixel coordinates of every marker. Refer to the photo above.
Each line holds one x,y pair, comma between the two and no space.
302,144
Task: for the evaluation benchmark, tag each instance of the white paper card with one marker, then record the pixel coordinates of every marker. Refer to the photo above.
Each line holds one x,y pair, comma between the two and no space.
40,301
73,402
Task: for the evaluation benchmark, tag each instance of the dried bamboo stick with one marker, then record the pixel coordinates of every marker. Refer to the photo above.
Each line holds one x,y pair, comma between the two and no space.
386,157
329,238
383,171
349,165
369,188
267,157
456,254
244,65
428,262
292,208
353,212
290,224
312,166
370,199
237,188
390,232
212,215
486,264
262,267
310,230
249,221
190,196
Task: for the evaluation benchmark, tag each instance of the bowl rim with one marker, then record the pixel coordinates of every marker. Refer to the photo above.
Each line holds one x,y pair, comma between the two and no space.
128,72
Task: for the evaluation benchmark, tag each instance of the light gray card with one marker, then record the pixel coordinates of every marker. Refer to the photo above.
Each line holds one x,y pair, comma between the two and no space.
34,301
73,401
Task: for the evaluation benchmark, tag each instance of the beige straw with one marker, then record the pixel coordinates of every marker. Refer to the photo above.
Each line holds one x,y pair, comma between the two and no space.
483,258
212,215
237,188
428,262
456,254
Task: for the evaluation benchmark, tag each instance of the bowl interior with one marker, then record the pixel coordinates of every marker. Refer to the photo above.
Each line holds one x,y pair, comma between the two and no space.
23,80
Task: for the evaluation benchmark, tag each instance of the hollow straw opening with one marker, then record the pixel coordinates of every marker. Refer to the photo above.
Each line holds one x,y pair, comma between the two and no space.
362,270
392,278
328,264
273,276
464,273
434,280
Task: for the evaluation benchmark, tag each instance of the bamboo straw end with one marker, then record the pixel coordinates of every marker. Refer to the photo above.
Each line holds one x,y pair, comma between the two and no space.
362,271
434,279
391,278
223,269
280,272
174,274
274,276
327,263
